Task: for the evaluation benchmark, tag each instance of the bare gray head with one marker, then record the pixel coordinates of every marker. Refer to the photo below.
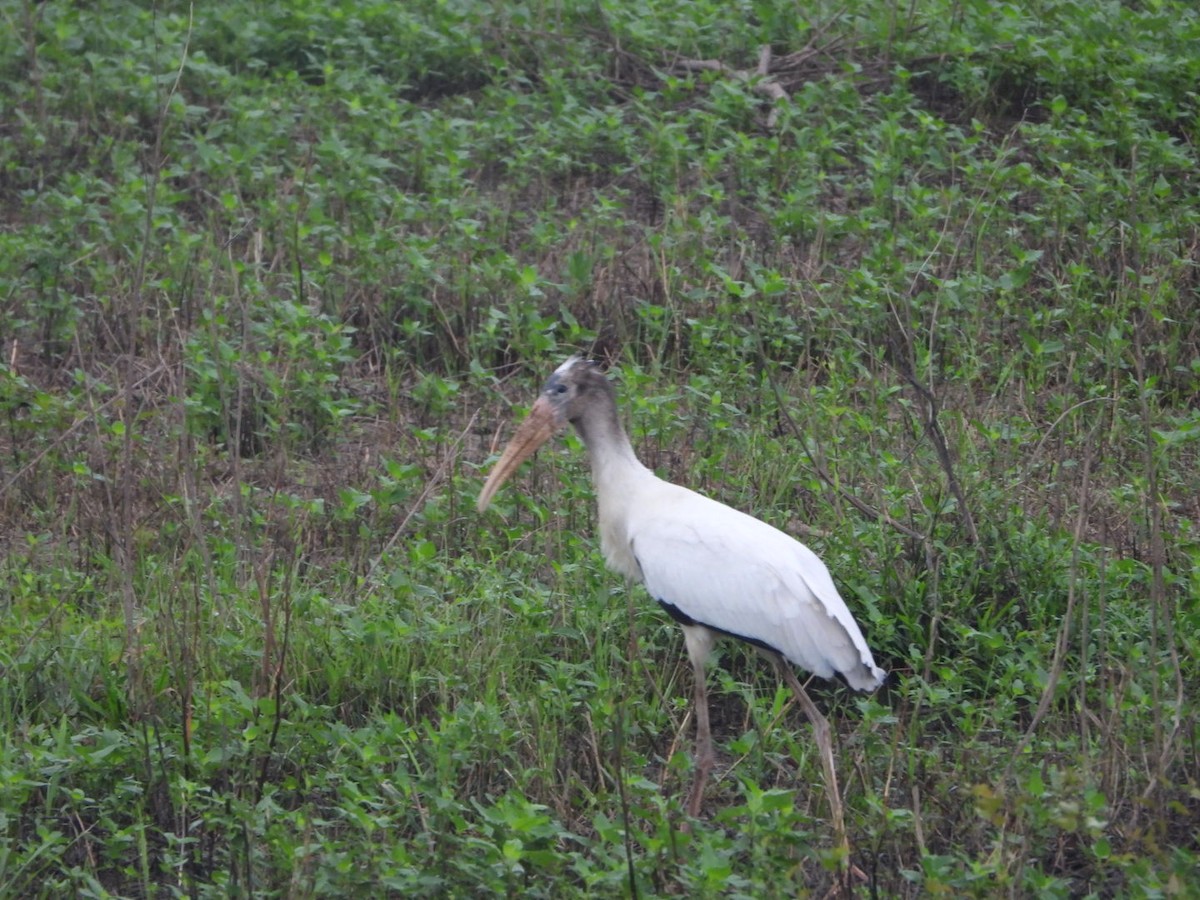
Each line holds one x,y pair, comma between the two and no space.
576,393
577,390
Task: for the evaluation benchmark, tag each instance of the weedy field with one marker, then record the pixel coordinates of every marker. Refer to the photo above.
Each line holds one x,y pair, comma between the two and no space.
916,283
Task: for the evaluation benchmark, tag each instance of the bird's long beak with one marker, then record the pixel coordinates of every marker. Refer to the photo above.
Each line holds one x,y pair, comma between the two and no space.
537,428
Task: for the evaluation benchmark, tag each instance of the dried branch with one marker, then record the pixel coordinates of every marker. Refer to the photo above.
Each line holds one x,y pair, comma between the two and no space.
759,76
866,509
1064,633
938,438
442,471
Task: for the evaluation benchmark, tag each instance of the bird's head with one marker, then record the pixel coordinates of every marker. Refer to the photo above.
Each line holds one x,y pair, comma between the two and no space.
574,387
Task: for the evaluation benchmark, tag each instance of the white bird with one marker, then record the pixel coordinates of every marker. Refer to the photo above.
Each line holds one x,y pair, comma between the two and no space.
717,571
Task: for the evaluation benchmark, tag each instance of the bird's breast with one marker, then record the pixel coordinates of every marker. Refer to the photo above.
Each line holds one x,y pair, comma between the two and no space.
615,545
625,491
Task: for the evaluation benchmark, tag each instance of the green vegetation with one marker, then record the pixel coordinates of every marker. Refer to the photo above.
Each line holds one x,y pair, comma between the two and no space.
275,279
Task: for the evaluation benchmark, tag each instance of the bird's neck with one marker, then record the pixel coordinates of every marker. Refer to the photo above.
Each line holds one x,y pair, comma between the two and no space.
613,461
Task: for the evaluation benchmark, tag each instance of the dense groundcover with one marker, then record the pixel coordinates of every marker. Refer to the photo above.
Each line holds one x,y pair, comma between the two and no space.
916,283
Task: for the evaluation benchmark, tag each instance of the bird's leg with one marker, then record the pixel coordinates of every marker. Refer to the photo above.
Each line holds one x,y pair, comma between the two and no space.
704,750
699,641
824,737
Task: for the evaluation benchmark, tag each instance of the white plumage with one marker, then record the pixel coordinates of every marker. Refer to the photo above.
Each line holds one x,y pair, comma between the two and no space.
714,569
734,574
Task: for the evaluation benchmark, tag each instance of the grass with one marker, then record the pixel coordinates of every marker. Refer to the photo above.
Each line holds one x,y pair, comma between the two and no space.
276,280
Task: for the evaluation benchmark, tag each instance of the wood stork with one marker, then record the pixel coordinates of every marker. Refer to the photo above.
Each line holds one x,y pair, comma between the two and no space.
715,570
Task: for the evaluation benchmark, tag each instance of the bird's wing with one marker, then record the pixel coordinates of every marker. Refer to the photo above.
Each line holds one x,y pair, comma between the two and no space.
732,573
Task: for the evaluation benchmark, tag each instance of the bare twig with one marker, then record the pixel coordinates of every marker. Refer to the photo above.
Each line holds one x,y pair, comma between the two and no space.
1160,605
439,474
1162,623
705,65
61,437
904,361
274,659
122,505
764,61
1064,632
938,438
875,515
760,76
